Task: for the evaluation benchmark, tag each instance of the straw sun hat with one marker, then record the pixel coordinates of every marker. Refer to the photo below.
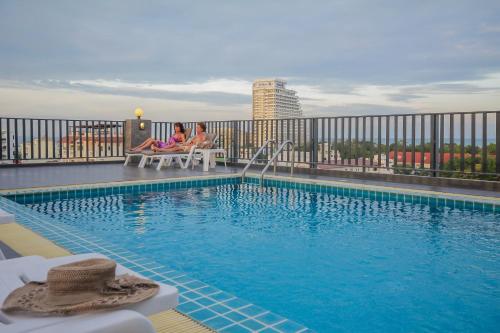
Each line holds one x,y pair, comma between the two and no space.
78,287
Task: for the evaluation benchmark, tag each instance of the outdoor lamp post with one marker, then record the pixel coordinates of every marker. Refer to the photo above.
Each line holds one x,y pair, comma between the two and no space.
139,113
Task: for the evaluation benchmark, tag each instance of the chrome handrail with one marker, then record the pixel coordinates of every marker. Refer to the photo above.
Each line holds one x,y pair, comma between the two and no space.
256,155
274,158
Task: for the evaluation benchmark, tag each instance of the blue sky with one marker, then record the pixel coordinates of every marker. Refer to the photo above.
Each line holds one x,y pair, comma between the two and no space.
197,59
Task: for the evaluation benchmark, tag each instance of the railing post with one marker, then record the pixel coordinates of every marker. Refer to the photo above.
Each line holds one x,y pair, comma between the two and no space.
87,141
124,138
314,143
497,149
236,142
16,143
434,138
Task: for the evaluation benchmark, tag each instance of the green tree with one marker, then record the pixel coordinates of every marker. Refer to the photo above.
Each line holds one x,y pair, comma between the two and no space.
355,149
468,162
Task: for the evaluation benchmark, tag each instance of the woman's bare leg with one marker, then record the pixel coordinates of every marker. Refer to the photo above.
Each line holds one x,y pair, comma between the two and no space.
145,144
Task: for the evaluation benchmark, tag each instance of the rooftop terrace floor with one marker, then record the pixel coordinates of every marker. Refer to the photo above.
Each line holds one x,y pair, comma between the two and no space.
59,175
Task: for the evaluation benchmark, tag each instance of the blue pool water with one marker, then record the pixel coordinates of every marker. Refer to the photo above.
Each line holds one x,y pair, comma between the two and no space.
330,262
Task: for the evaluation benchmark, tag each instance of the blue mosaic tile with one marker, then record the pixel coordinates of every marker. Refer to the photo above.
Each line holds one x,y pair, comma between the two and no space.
450,203
236,329
269,330
236,303
222,296
192,295
218,322
195,284
183,299
252,310
208,290
270,318
252,324
164,271
289,326
235,316
188,307
205,301
488,207
180,279
219,308
202,314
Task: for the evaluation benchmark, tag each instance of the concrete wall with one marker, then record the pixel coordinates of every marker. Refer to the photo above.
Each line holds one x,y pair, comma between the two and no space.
133,135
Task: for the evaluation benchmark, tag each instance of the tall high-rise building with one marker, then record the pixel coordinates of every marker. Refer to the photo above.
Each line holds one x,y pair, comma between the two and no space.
272,100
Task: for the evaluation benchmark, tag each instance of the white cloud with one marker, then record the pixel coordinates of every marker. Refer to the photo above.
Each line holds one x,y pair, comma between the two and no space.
442,96
114,99
228,86
73,104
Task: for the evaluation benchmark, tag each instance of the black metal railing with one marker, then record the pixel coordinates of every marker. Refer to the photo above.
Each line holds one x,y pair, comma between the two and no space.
435,144
29,140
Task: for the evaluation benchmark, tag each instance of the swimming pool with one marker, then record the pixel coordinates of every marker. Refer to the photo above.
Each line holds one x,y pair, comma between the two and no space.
331,260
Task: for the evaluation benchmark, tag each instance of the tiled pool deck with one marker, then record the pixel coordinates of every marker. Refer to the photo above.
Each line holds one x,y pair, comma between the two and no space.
206,304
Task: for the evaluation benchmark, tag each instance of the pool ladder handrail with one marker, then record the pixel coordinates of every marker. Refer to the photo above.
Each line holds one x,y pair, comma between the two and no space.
257,155
274,158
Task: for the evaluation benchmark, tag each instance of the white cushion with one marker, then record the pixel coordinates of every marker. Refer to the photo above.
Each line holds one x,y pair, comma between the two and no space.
118,321
6,217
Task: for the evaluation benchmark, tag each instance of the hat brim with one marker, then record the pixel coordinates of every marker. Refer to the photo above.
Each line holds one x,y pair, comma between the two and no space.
34,297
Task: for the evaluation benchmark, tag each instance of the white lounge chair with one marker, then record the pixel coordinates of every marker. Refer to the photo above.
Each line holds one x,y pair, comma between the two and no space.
16,272
118,321
208,155
129,156
193,156
166,159
148,156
